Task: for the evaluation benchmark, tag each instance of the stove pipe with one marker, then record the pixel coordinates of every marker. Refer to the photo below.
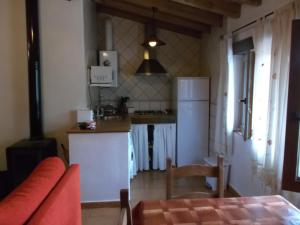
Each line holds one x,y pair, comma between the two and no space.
34,73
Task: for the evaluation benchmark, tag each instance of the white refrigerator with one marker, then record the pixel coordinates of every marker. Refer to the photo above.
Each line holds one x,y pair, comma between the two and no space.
191,101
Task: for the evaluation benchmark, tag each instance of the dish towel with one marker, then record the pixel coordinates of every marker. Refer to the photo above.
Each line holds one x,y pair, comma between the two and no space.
140,145
164,145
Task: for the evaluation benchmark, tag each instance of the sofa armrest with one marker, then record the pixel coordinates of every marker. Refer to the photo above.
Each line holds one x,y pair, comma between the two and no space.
62,206
20,204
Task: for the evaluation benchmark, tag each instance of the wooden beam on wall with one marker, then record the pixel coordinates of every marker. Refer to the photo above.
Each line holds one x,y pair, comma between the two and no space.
177,10
141,18
222,7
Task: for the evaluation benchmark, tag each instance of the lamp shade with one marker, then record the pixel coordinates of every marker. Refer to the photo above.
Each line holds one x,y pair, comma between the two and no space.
153,41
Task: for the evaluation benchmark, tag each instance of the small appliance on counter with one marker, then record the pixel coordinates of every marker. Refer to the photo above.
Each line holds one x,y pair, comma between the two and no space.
84,115
106,112
85,119
109,110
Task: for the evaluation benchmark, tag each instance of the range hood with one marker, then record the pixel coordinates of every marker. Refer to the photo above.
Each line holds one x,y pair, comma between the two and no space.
150,65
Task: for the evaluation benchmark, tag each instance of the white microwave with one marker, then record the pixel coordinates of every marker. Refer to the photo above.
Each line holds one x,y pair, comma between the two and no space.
101,75
105,75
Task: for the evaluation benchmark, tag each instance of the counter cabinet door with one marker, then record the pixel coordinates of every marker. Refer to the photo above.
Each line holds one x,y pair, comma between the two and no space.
164,145
140,144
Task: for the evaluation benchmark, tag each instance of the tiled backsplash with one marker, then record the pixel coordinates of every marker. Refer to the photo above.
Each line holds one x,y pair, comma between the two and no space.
180,57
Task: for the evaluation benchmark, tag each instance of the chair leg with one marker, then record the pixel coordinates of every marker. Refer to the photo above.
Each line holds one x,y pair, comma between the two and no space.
124,202
221,176
169,178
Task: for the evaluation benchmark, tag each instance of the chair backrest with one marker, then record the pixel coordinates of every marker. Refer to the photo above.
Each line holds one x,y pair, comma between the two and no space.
196,170
126,215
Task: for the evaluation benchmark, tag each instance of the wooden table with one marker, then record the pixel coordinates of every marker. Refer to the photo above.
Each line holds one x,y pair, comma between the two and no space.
267,210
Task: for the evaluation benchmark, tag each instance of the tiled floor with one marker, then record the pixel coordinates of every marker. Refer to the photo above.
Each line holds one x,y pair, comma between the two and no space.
146,185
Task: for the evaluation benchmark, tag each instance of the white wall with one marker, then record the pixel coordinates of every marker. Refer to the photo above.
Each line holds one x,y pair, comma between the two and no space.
63,64
64,55
14,116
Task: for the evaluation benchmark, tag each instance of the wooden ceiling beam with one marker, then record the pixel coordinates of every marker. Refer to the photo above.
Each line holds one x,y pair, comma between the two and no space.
253,2
222,7
139,17
249,2
160,17
178,10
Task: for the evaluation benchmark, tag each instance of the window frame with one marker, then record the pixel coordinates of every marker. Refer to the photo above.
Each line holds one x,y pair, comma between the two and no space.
243,119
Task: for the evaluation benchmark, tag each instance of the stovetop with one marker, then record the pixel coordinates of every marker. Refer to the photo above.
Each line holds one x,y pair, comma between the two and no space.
150,112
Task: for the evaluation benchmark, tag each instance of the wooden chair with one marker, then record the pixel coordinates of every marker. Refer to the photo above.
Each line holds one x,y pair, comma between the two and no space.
196,170
126,216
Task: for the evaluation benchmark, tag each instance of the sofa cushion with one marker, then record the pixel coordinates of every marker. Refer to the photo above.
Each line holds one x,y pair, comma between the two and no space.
62,206
20,204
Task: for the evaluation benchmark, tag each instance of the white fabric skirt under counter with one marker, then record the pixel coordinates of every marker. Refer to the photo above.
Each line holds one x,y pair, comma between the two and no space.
164,145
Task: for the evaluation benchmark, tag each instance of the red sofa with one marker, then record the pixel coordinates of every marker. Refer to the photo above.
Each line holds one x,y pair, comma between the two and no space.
49,196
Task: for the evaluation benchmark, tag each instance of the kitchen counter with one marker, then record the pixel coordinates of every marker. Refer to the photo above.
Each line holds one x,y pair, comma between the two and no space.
121,124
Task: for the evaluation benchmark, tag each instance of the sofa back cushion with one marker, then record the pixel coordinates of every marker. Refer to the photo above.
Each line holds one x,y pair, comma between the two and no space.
62,206
20,204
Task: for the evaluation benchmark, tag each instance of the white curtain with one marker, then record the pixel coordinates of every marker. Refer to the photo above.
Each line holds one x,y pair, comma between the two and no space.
140,144
220,125
282,26
260,118
164,145
270,119
225,101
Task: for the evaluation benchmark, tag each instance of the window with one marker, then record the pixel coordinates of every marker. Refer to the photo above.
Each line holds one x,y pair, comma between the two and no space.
244,58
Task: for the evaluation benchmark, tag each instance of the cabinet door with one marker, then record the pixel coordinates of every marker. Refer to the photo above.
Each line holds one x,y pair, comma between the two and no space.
103,160
140,144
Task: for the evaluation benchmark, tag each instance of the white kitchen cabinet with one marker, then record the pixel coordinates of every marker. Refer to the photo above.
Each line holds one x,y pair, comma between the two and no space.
104,164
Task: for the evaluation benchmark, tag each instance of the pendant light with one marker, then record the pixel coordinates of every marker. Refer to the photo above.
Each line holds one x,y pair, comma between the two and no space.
151,40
